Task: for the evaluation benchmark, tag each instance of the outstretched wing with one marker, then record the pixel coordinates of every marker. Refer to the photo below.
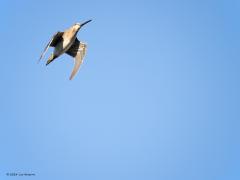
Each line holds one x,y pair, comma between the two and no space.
54,40
78,51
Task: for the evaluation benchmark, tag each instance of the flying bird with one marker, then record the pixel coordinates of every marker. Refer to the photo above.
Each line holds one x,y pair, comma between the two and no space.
67,42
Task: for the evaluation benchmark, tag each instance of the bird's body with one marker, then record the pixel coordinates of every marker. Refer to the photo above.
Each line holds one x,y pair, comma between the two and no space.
68,39
67,42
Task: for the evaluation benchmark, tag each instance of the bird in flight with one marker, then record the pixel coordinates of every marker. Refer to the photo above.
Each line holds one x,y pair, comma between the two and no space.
67,42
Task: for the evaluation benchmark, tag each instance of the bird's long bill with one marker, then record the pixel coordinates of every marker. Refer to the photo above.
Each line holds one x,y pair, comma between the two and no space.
86,22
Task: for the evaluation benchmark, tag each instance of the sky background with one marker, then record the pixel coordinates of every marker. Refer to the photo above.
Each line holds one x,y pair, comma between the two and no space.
156,98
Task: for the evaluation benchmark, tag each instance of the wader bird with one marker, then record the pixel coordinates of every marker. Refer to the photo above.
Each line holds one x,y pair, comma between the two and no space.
67,42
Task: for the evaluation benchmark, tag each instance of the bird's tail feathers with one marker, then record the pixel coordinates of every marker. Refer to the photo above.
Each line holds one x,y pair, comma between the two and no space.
50,59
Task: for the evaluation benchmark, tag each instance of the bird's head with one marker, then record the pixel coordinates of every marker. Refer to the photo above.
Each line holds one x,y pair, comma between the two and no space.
77,26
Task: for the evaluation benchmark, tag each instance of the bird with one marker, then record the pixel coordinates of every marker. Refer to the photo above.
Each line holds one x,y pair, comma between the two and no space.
67,42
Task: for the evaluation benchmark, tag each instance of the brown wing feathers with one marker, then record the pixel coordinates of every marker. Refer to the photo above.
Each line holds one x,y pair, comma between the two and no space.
77,50
54,40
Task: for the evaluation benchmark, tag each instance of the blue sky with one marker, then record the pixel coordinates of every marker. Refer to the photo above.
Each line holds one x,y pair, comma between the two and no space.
156,98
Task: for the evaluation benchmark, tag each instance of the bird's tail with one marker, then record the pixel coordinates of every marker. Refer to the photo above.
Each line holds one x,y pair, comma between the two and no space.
50,59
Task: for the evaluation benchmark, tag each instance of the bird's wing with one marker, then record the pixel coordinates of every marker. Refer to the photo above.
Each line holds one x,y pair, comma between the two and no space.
78,51
54,40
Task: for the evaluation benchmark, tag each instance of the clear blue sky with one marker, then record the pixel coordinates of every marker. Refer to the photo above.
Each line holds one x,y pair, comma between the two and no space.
156,98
